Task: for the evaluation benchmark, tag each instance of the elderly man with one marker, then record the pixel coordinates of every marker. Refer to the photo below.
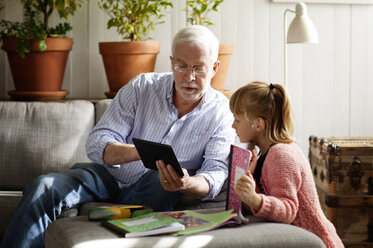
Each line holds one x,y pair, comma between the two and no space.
179,109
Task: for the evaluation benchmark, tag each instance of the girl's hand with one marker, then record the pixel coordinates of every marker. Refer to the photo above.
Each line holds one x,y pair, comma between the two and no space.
245,189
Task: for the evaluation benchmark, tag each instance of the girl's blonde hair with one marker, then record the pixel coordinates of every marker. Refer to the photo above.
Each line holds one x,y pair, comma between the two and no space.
269,102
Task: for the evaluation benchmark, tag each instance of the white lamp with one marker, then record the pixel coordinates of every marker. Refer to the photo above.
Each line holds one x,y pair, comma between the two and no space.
301,30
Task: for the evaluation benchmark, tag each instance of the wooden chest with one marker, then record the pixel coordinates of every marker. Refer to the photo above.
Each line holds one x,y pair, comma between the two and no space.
343,173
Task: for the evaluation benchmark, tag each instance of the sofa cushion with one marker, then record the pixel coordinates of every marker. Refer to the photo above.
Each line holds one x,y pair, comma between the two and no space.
101,107
78,232
41,137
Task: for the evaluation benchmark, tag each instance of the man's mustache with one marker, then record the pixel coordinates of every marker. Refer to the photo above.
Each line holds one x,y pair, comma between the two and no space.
190,85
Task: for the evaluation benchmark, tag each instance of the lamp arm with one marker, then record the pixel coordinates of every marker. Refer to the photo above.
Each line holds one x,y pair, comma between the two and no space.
285,47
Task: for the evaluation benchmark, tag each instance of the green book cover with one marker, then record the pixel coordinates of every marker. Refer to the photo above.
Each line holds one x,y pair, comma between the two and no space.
214,220
140,223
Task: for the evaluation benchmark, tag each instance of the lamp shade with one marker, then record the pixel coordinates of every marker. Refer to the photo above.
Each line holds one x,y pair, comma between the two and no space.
302,29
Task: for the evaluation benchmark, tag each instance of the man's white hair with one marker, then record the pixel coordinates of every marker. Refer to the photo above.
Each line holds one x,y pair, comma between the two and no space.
197,34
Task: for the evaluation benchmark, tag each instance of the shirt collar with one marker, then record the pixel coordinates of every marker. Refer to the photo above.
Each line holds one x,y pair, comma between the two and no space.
204,99
170,89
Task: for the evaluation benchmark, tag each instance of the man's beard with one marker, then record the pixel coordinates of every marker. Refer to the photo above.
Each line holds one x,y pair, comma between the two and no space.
191,96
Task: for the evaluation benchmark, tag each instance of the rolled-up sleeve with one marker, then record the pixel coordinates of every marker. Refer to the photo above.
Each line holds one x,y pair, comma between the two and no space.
115,124
215,165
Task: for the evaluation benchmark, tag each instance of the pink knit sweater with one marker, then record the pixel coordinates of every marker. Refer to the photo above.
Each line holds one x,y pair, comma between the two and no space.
291,195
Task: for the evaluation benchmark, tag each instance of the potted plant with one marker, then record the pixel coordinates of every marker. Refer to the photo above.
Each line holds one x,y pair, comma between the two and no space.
196,14
37,53
133,19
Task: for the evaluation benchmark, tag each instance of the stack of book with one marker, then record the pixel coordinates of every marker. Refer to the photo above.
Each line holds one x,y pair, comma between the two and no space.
175,223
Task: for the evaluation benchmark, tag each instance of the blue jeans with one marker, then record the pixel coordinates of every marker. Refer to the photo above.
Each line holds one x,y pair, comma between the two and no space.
47,196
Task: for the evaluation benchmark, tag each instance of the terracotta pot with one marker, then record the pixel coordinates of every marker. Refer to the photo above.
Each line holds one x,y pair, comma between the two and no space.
125,60
39,71
225,53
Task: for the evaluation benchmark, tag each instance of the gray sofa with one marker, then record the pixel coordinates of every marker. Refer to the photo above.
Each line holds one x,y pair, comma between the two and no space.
42,137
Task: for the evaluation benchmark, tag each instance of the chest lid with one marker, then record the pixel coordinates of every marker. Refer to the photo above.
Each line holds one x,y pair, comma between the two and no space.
351,146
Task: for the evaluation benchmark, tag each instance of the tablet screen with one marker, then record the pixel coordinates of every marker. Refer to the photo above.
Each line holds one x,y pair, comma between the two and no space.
152,151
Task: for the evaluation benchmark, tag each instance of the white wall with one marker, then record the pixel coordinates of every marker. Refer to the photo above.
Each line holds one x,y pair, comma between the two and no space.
330,84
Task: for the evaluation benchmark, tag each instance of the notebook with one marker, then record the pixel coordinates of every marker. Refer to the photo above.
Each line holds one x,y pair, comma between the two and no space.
239,159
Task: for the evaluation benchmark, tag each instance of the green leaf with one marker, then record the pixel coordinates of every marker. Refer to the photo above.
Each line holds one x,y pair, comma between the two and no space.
42,45
198,10
134,18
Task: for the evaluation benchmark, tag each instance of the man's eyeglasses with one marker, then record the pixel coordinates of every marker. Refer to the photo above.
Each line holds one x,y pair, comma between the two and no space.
198,70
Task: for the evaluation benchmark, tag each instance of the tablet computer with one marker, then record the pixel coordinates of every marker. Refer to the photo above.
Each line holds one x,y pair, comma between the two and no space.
152,151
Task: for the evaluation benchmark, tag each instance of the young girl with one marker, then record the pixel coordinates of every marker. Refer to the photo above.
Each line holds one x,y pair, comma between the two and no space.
279,185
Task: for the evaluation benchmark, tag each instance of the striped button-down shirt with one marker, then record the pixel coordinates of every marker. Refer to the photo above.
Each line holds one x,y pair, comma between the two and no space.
143,109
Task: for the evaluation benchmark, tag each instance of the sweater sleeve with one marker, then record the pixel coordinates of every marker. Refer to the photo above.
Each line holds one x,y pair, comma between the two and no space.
281,179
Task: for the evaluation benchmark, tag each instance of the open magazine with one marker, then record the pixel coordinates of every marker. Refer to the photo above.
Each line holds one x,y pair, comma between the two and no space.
197,222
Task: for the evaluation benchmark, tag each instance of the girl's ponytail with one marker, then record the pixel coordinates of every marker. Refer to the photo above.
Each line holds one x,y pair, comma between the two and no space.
282,121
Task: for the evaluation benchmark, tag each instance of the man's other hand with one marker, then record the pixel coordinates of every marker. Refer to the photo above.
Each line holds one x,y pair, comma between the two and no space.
170,180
